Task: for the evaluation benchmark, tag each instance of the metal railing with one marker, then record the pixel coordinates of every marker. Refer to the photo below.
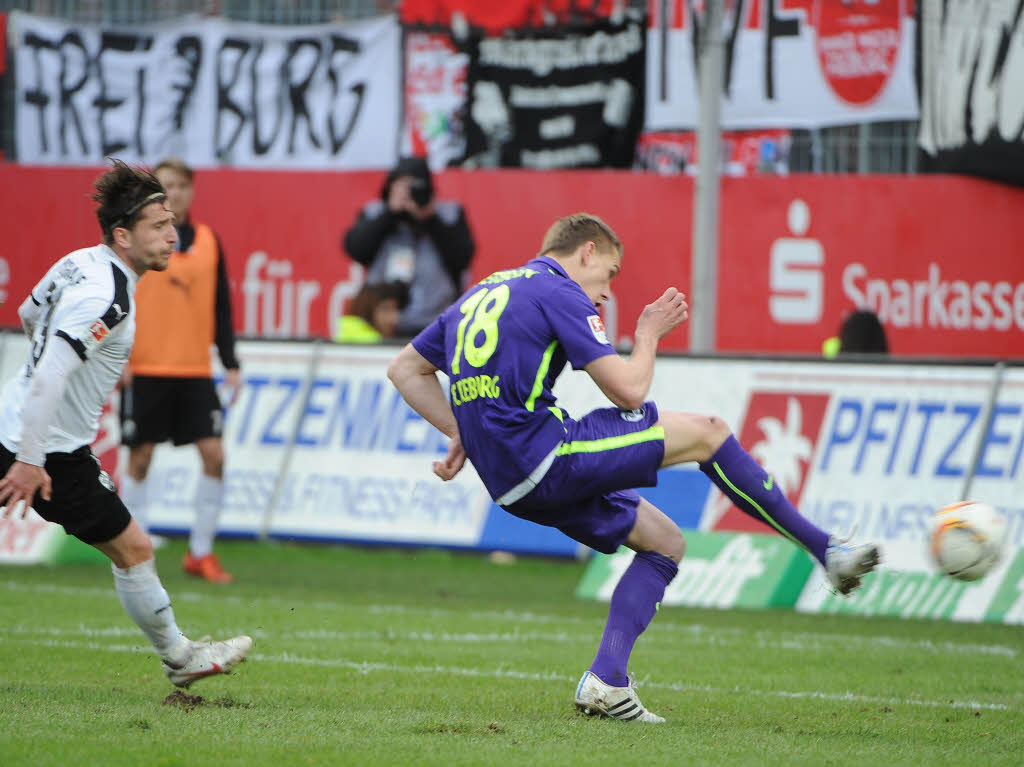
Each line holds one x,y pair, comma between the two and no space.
135,12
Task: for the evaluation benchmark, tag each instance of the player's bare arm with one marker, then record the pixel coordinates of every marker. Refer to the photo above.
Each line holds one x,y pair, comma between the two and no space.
416,380
627,382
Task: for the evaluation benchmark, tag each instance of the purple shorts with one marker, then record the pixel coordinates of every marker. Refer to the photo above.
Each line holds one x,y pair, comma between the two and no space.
588,491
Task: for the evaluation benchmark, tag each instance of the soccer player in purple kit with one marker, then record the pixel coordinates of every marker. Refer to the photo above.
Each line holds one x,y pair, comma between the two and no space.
503,344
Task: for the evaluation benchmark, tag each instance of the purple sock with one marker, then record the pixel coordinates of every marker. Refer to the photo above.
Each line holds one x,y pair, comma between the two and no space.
634,603
755,492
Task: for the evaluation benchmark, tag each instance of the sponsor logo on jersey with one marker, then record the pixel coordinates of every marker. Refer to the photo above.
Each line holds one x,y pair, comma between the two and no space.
95,335
597,328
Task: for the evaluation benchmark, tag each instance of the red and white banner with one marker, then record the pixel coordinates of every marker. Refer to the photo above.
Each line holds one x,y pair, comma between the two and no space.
931,255
937,256
435,97
788,63
208,90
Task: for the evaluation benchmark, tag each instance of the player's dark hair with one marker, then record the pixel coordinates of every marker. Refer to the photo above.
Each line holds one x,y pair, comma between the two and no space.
121,195
567,234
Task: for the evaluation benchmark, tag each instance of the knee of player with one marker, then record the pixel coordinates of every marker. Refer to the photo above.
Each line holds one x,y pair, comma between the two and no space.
716,431
674,546
133,550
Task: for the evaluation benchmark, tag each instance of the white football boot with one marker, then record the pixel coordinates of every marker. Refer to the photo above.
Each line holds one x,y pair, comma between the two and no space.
207,658
845,563
595,698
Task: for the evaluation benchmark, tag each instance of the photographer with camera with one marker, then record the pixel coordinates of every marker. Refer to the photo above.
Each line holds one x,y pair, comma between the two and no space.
410,237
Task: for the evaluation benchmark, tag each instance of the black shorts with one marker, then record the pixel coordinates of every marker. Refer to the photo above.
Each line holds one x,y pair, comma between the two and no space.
83,498
183,410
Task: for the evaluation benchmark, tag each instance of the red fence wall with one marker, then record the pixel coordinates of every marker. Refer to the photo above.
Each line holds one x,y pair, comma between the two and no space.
938,256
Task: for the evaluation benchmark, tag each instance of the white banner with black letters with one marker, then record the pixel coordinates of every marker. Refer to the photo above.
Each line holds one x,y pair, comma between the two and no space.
208,90
787,63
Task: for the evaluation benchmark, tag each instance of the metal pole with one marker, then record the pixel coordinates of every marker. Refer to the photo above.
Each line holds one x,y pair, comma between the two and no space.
286,459
986,424
704,292
864,148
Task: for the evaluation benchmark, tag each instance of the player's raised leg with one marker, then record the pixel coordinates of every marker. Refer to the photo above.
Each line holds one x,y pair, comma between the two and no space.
606,687
146,601
708,440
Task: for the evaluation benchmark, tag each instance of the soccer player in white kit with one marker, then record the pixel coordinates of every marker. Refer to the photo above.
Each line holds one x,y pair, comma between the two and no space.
80,319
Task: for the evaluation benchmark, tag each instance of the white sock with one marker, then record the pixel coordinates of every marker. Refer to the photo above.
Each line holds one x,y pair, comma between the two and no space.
135,495
146,602
209,500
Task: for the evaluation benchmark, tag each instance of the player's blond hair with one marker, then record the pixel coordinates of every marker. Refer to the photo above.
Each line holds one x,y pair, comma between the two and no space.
567,234
177,165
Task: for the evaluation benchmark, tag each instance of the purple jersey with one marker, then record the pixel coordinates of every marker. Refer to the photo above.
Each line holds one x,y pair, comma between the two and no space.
503,344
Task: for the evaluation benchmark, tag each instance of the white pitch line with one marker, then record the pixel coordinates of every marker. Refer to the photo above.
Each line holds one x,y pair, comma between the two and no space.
369,667
800,641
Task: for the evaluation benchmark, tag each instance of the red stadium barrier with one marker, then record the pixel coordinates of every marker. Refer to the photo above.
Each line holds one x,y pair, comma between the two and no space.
937,256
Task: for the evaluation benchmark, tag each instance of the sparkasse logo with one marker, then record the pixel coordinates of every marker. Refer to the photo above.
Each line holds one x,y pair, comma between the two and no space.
796,279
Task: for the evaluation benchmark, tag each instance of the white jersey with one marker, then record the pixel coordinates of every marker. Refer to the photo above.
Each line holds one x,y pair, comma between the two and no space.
84,300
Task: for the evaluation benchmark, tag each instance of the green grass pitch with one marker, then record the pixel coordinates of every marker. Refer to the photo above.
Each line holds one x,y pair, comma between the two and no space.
426,657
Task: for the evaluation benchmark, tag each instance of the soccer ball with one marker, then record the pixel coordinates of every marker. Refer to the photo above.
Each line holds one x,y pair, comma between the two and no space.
967,539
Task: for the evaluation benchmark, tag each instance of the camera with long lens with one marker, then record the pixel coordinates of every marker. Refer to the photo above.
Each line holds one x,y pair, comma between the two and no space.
420,191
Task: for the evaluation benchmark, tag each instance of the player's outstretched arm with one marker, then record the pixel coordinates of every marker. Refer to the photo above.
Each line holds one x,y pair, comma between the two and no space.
626,382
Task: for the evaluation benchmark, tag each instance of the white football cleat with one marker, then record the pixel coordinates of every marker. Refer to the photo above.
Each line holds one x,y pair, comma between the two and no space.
206,658
595,698
845,564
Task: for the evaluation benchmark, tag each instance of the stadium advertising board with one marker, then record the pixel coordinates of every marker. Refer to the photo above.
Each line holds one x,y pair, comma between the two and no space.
906,586
328,451
719,570
872,447
788,63
797,253
208,90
